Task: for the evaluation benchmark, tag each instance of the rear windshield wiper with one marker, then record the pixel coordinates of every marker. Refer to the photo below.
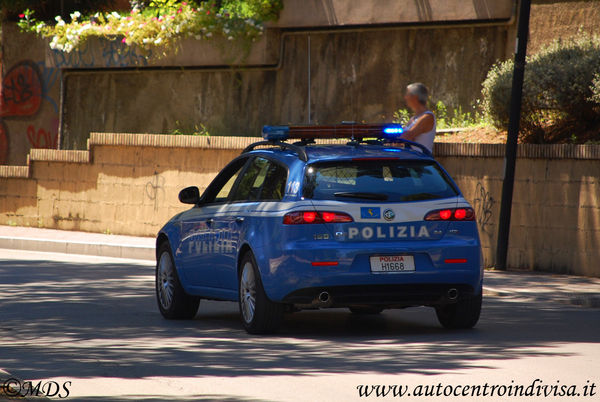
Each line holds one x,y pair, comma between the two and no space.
366,196
420,197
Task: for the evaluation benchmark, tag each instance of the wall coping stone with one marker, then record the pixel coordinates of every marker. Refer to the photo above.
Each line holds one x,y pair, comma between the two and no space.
14,171
526,151
171,141
59,155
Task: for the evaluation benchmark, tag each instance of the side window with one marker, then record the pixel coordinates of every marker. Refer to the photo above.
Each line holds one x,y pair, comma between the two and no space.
223,194
263,180
274,186
220,189
251,183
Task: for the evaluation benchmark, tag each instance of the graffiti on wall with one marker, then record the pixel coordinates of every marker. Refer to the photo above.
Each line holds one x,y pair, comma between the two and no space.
3,142
29,107
155,189
25,87
78,58
21,90
483,203
115,54
49,76
42,138
109,54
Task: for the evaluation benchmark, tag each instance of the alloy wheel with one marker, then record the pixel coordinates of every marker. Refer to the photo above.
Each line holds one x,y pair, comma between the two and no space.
166,278
248,292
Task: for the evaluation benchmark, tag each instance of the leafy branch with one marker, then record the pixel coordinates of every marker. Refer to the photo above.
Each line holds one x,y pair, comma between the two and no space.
160,23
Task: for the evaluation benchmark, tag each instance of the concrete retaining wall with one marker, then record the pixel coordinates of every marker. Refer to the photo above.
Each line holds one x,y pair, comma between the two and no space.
365,54
562,19
335,13
357,76
128,184
362,57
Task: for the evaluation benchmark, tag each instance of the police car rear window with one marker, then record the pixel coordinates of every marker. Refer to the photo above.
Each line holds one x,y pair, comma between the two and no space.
390,180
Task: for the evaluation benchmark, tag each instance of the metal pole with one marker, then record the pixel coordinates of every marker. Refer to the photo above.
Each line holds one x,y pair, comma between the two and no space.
510,158
309,119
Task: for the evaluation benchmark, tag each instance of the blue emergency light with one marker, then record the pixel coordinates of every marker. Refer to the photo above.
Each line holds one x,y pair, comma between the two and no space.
350,131
276,133
392,129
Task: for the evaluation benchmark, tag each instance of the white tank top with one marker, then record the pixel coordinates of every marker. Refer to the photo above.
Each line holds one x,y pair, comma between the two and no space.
426,138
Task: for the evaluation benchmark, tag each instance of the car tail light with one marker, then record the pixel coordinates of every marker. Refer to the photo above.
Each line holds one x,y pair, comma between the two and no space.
455,261
460,213
324,263
303,217
454,214
328,216
309,217
445,214
374,159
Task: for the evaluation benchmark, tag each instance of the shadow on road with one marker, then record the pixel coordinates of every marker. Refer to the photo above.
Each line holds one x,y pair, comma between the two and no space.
100,320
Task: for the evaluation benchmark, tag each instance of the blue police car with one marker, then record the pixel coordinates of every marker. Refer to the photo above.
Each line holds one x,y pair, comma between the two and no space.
368,223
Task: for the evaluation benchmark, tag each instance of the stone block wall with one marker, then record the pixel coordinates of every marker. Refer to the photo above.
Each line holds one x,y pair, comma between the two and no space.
128,184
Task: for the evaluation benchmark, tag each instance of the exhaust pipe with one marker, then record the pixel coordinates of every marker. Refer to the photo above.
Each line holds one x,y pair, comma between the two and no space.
452,294
324,297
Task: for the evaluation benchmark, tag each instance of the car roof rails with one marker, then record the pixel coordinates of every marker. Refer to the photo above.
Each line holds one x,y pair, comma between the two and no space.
283,145
402,141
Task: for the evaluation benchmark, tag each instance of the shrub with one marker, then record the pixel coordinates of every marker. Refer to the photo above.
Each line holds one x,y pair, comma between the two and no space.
596,89
190,129
157,23
557,92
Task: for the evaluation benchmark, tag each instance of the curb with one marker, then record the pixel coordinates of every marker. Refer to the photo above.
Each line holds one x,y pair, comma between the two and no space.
585,300
100,249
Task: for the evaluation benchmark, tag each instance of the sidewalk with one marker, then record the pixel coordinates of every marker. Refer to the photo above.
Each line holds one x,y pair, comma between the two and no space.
69,242
527,286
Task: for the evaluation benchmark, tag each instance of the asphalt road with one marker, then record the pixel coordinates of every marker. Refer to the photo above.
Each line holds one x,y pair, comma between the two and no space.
94,321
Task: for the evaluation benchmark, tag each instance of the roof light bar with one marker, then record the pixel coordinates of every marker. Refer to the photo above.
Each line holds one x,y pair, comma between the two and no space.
358,133
354,131
276,133
393,130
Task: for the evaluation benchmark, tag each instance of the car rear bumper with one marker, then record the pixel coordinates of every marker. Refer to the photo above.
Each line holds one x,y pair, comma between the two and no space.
291,272
389,295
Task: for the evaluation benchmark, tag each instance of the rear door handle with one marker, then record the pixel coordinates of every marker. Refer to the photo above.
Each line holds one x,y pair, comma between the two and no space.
240,219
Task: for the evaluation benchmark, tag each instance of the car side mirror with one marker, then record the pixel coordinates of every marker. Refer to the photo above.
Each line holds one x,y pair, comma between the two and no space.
190,195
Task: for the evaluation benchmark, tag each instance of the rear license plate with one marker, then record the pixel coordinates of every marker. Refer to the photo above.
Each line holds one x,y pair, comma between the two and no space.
392,263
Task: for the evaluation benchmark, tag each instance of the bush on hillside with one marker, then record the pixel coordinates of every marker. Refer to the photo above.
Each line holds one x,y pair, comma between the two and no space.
447,117
558,98
596,90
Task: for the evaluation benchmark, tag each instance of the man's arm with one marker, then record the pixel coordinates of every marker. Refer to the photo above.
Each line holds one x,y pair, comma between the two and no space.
422,125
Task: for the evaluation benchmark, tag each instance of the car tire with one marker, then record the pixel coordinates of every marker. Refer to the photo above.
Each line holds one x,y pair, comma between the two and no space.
366,310
258,314
173,302
463,314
